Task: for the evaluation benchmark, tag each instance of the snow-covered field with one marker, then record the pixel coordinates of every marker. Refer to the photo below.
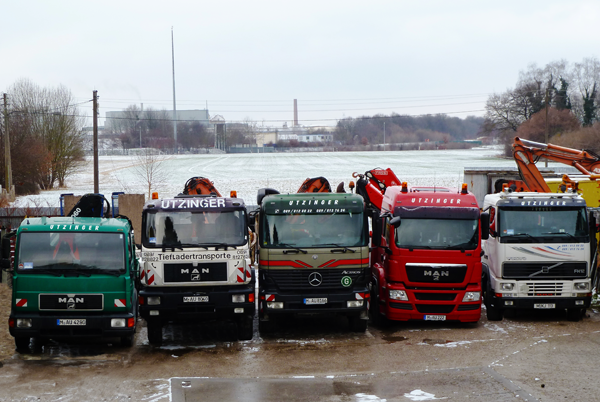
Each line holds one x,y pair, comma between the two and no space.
246,173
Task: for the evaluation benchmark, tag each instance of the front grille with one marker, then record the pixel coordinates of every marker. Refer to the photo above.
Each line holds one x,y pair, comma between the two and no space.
203,272
543,289
436,273
468,307
544,270
401,306
435,308
435,296
72,302
296,279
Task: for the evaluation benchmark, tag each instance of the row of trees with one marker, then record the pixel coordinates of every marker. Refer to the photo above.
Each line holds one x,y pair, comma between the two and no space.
45,132
405,129
567,93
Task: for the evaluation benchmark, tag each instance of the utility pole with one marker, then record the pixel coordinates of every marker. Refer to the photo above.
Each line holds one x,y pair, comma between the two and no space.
174,104
547,102
95,120
7,164
384,135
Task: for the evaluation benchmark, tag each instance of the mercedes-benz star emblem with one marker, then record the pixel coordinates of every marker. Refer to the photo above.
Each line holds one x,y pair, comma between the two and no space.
315,279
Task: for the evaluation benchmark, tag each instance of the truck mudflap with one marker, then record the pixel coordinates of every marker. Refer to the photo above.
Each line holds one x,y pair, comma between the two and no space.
185,304
354,302
542,303
73,326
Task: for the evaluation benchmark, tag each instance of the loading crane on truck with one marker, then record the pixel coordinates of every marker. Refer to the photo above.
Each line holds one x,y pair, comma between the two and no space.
528,153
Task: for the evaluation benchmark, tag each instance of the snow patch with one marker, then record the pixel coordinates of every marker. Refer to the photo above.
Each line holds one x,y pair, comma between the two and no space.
368,398
418,395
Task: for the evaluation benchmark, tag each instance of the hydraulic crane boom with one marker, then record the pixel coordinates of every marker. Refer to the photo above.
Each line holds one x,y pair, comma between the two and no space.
527,153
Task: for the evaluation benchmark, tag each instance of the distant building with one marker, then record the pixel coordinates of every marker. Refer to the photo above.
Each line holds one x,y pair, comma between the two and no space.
114,119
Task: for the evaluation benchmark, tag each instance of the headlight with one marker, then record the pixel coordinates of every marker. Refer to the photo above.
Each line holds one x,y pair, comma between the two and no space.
507,286
354,303
277,305
472,296
398,295
238,298
153,300
581,285
23,322
118,322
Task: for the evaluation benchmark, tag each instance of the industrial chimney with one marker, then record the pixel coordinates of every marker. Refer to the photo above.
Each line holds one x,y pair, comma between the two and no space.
295,113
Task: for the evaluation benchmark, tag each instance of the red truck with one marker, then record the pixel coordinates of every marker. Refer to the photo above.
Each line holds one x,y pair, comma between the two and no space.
425,250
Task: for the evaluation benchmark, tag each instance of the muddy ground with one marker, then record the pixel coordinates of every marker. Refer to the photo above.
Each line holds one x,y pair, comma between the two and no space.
530,356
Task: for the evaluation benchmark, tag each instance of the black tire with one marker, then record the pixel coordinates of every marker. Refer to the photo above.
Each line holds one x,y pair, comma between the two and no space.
575,314
267,327
22,344
155,334
246,328
127,341
492,313
358,324
378,319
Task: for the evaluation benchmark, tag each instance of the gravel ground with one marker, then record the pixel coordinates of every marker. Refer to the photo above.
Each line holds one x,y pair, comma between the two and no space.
7,344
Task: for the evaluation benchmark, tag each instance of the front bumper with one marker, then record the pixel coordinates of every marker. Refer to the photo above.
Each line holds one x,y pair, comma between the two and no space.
174,308
46,326
336,302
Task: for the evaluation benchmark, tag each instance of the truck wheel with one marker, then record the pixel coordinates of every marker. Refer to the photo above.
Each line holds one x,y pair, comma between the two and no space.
492,313
574,314
357,324
22,344
127,341
155,334
245,328
266,327
378,319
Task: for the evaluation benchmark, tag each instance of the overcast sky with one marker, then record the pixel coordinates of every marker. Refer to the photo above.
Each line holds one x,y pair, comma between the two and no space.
251,59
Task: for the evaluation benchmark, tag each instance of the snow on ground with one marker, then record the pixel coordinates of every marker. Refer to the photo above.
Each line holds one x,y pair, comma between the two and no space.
246,173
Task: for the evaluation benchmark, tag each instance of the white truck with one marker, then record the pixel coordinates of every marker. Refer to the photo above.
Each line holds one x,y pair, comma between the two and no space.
196,263
540,254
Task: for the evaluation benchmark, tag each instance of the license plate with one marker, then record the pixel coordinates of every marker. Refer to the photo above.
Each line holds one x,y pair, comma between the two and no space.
195,299
544,305
435,318
80,321
316,300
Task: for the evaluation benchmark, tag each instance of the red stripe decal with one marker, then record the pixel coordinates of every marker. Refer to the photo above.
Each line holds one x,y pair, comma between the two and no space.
328,262
293,264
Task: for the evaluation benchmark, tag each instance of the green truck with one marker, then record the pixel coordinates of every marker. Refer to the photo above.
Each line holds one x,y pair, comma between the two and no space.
72,277
313,256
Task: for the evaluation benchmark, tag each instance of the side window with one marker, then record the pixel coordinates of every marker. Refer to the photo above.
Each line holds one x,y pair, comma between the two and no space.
493,221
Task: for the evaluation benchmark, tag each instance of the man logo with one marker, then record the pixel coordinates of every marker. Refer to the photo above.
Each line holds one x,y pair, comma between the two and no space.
315,279
195,277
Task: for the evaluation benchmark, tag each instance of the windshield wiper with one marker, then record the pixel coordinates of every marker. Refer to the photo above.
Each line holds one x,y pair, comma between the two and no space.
75,272
297,249
519,234
342,249
41,271
559,233
193,245
217,246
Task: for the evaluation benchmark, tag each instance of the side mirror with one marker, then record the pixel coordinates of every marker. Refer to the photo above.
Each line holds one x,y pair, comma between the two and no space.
5,263
484,220
262,192
395,221
5,248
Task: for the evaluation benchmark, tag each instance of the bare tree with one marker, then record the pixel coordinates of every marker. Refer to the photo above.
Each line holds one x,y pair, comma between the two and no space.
149,167
50,117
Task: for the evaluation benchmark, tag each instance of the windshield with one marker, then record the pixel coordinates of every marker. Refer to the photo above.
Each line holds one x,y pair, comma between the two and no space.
314,230
192,229
543,224
71,250
456,234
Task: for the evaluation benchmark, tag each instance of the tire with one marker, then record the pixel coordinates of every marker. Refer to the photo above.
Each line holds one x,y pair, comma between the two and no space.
357,324
378,319
492,313
266,327
575,314
127,341
246,328
22,344
155,334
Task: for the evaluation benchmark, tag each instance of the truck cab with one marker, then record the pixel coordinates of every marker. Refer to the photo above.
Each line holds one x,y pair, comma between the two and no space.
196,263
426,255
73,277
539,254
313,257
